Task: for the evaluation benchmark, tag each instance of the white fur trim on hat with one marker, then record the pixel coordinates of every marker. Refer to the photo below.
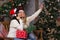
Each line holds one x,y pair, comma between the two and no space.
14,15
15,10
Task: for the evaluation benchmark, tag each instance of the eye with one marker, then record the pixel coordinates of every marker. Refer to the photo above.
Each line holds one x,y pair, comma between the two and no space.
22,17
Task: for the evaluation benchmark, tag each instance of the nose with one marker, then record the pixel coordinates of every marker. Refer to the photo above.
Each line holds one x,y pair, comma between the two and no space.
23,15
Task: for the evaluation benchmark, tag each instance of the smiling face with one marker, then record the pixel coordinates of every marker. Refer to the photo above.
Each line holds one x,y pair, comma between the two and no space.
21,13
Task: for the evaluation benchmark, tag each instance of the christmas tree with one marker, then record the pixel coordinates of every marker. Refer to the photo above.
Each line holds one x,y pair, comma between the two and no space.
47,20
6,7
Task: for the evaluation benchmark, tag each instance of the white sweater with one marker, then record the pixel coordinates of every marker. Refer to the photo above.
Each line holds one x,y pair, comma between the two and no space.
14,24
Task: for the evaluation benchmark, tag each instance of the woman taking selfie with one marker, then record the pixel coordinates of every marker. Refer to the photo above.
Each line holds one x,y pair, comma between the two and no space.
22,22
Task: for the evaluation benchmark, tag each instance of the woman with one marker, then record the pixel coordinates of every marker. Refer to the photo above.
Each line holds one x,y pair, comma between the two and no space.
22,19
3,31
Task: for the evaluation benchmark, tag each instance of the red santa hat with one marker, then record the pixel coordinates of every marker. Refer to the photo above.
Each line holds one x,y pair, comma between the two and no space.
12,11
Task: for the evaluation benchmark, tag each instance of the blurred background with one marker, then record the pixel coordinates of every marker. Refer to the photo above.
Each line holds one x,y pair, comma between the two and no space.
47,23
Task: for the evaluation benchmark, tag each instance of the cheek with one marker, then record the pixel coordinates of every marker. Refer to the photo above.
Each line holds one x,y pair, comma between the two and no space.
23,15
19,14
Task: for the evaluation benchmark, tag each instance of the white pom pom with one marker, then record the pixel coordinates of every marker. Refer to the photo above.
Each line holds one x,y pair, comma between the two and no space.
14,15
51,16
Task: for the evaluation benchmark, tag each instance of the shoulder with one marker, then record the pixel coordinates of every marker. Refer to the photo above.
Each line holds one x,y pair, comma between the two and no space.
13,23
14,20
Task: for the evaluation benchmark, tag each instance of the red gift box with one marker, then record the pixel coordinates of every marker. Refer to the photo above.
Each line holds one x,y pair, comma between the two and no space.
21,34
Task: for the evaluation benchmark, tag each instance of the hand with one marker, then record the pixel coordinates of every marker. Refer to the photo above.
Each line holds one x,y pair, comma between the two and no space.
41,5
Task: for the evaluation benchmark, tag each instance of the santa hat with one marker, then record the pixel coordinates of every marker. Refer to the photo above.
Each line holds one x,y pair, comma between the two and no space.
12,11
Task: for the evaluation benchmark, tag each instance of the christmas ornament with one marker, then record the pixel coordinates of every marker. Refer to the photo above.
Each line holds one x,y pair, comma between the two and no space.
51,16
6,10
20,4
58,0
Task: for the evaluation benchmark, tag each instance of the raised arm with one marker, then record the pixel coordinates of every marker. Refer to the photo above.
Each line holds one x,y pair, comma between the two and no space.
32,17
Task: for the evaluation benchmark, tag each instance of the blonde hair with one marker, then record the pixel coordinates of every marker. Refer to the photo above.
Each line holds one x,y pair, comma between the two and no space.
25,20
